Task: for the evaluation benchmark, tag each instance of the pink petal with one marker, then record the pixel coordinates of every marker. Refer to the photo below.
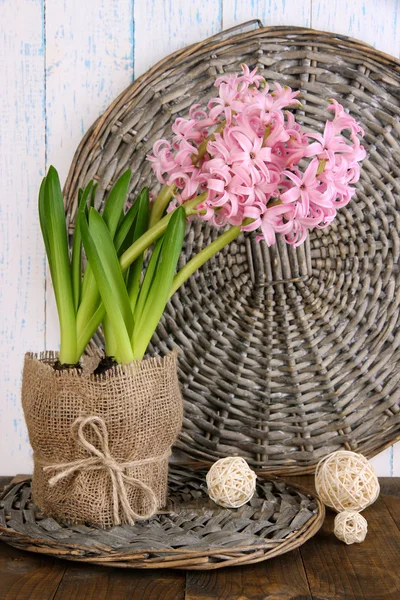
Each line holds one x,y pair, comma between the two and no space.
310,172
291,195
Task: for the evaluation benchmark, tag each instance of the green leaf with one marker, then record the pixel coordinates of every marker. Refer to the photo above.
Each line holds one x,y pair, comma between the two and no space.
88,323
135,222
103,259
52,219
160,286
134,225
155,232
113,208
147,281
109,337
90,328
43,220
114,205
133,280
76,259
93,194
141,225
122,234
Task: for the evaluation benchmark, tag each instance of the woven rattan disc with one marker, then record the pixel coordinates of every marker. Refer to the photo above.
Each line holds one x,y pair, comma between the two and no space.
192,532
287,355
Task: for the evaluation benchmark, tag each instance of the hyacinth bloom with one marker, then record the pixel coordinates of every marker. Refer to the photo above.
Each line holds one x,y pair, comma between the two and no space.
242,162
241,154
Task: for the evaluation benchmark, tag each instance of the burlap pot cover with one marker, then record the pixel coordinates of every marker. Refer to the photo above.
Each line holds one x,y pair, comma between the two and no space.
101,443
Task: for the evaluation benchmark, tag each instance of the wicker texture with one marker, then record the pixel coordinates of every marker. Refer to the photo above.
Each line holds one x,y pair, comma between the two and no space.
192,532
288,354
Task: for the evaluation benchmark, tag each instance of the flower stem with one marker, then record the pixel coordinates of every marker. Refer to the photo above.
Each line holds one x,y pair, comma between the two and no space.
154,233
266,134
129,256
160,204
202,149
204,255
276,202
321,166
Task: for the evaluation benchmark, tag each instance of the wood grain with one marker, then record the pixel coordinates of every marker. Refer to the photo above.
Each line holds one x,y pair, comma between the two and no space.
99,583
390,486
357,572
392,503
283,578
25,576
361,571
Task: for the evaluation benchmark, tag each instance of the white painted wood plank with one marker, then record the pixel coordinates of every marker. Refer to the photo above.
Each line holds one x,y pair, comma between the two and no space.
382,463
270,12
376,22
22,156
89,61
396,460
163,26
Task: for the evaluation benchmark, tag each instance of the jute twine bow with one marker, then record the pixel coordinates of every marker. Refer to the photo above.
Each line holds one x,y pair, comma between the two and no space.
102,459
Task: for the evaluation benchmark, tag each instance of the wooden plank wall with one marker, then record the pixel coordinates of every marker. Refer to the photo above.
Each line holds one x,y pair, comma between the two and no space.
61,64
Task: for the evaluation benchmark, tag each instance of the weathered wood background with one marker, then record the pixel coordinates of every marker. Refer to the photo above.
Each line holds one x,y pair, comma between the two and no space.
61,64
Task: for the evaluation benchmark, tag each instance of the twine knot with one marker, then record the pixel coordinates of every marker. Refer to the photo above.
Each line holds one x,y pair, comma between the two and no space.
100,458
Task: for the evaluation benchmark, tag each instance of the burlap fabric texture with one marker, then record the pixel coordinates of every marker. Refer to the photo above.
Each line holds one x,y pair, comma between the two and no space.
101,443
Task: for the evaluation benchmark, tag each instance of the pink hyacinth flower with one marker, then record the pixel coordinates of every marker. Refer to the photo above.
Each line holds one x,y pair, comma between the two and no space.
256,157
284,96
306,188
250,153
272,222
327,144
226,103
342,120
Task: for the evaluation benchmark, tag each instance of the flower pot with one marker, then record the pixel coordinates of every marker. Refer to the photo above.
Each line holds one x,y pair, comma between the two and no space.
101,443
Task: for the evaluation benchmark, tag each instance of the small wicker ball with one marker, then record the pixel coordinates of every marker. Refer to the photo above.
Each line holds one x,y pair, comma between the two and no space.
230,482
350,527
346,481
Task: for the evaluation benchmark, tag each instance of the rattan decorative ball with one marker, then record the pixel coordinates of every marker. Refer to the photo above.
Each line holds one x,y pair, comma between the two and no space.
350,527
346,481
230,482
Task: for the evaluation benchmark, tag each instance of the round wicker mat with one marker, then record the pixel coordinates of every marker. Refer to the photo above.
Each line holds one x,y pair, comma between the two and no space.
287,355
190,533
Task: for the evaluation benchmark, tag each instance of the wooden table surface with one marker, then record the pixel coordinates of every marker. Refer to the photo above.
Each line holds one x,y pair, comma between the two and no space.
322,569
